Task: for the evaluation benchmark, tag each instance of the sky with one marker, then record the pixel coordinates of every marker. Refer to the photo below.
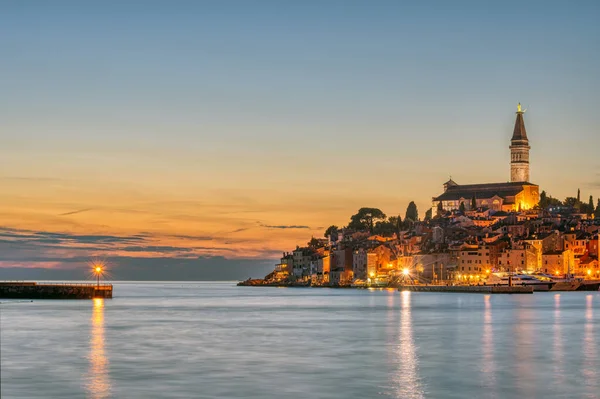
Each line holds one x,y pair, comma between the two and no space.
213,133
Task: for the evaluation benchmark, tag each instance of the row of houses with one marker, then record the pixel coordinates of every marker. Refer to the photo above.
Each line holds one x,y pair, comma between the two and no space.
451,247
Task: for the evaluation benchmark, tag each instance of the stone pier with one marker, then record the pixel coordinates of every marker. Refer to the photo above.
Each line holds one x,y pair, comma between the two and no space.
33,290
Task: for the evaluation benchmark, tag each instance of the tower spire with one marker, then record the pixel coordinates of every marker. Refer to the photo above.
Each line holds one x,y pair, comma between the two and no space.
519,150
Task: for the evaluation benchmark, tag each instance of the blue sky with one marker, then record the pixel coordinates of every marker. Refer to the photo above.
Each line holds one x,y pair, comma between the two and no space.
298,111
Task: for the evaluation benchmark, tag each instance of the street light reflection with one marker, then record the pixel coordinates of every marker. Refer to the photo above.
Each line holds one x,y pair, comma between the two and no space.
408,383
98,381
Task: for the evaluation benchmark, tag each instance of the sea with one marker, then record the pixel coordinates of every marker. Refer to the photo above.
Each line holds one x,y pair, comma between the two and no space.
217,340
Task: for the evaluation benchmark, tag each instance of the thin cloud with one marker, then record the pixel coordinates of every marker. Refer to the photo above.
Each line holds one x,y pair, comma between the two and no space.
268,226
76,212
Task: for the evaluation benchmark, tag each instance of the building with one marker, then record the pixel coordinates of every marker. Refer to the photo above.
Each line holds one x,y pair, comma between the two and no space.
516,195
519,150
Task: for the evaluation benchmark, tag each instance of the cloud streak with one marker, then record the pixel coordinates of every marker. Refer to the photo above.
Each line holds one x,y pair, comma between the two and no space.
267,226
76,212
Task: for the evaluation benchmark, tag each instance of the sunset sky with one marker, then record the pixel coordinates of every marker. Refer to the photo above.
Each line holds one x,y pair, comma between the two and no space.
172,130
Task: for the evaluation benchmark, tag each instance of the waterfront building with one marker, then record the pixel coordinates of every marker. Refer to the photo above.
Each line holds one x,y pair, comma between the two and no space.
558,263
359,264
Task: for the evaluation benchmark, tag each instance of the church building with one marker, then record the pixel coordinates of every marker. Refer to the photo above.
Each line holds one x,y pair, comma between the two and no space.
518,194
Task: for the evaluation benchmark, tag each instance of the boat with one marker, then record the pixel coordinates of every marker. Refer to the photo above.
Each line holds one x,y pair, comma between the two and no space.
539,283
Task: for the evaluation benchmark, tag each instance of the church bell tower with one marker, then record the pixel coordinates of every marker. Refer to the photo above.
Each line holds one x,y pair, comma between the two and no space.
519,150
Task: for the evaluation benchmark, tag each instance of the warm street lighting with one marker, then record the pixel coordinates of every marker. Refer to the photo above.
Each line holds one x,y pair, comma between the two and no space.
406,272
98,271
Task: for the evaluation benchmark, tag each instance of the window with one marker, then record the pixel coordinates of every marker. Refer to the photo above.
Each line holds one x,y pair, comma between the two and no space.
522,262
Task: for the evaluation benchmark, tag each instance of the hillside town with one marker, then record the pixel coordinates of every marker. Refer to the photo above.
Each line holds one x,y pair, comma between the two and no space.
470,232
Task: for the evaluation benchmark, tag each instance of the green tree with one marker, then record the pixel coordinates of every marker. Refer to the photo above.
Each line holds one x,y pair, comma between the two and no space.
384,228
314,243
578,195
440,209
397,222
473,203
570,202
590,207
366,218
461,208
333,229
428,215
597,212
411,212
543,200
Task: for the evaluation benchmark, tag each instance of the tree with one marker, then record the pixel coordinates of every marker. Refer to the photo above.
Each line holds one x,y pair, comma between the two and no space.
570,202
597,212
461,208
384,228
543,200
590,207
411,212
366,218
314,243
440,209
428,214
473,203
578,196
397,222
333,229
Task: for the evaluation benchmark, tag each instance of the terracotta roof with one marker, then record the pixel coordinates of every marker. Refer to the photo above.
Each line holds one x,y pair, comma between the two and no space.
482,191
519,133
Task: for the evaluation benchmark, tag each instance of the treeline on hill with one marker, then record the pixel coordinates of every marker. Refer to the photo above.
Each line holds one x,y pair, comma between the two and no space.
375,221
571,202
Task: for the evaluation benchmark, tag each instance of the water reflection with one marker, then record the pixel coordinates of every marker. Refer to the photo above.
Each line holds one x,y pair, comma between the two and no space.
489,365
524,355
98,381
408,381
558,344
589,349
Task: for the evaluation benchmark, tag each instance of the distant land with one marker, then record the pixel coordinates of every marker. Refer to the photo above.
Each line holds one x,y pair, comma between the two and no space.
155,269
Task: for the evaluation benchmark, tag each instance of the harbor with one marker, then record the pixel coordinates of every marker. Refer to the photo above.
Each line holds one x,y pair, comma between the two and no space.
476,289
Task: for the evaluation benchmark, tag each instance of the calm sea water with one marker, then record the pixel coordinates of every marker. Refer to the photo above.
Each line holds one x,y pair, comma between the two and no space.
215,340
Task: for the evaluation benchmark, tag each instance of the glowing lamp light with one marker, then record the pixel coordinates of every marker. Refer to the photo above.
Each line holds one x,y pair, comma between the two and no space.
589,272
406,272
98,269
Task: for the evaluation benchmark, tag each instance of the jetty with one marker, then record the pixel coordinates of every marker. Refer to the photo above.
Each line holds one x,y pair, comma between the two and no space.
477,289
34,290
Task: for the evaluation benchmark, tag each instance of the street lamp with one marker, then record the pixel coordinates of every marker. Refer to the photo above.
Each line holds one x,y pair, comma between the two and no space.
98,271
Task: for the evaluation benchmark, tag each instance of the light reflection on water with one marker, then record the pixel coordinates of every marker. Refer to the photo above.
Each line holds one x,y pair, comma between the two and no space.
408,381
488,366
589,351
215,340
558,356
98,385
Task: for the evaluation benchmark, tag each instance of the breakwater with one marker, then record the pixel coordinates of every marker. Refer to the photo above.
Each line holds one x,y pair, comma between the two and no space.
481,289
33,290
